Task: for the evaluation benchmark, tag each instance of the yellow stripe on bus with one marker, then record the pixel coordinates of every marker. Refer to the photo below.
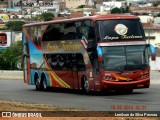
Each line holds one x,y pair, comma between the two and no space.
120,78
57,79
60,81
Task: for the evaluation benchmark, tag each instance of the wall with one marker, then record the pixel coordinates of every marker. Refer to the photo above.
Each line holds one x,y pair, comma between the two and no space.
14,75
155,33
155,65
74,3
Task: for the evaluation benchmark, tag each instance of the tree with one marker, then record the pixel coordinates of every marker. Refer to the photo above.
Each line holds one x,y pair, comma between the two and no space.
15,25
155,4
81,6
47,16
11,56
145,13
115,10
120,10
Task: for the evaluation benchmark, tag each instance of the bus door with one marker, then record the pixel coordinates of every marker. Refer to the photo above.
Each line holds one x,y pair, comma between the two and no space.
78,66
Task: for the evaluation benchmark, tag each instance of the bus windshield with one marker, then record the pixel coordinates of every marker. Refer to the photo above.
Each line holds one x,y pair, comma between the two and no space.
121,58
120,30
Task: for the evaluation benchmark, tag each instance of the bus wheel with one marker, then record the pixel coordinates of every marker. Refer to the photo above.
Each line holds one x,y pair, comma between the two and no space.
44,84
38,84
85,85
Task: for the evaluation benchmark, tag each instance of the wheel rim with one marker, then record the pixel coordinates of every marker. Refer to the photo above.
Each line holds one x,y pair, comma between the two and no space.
44,84
86,85
38,84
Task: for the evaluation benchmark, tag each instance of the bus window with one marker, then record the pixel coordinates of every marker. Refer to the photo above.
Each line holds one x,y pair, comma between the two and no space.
91,32
36,35
116,30
80,63
59,61
56,61
68,65
85,28
74,62
54,32
70,31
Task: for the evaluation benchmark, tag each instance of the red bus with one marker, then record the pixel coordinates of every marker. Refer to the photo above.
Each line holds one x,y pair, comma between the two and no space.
95,53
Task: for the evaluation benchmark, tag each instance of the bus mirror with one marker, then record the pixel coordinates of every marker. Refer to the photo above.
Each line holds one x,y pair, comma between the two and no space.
153,52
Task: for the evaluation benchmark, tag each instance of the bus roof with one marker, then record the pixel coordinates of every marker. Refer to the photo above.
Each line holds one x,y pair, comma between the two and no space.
94,18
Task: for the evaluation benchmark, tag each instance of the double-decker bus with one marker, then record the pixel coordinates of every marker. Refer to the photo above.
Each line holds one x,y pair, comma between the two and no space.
94,53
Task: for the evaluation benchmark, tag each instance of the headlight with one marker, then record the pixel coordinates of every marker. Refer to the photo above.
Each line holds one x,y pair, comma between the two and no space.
145,76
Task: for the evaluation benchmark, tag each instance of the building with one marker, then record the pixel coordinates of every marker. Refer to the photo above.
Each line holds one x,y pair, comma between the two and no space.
72,4
4,4
4,18
151,26
108,6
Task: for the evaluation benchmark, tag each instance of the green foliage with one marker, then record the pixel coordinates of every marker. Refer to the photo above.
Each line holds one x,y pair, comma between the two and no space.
155,4
80,6
144,13
15,25
47,16
120,10
127,9
36,18
115,11
11,57
3,29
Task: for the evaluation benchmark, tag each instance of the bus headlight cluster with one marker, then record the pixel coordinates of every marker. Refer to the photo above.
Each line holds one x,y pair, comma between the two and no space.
145,76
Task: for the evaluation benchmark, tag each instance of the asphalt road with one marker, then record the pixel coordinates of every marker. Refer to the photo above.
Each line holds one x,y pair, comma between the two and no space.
141,99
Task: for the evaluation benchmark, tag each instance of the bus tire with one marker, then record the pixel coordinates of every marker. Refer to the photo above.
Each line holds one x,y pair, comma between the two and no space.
85,85
38,83
44,83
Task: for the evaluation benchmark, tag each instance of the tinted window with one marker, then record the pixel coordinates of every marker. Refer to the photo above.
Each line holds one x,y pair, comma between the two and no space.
67,62
125,57
85,28
115,30
54,32
69,31
35,34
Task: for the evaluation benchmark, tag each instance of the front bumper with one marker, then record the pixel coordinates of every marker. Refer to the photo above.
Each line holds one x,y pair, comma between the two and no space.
111,85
